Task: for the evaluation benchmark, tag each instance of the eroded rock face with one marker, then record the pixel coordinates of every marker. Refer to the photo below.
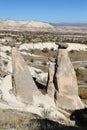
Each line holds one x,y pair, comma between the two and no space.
50,84
24,84
64,81
65,74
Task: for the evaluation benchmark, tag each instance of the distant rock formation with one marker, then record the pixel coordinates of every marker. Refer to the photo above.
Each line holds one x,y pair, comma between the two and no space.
64,80
25,25
24,84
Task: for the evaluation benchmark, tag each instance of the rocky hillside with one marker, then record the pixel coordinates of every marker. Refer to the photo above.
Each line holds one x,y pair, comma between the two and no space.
6,24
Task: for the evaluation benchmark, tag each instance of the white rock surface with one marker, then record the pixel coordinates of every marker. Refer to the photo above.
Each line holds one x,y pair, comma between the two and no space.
6,87
40,104
77,47
49,45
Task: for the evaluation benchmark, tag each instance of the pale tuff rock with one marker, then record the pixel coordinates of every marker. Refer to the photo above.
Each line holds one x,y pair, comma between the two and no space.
50,84
65,74
24,84
65,82
7,96
5,87
62,80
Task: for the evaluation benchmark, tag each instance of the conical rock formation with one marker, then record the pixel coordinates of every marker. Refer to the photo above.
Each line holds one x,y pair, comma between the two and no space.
24,84
65,81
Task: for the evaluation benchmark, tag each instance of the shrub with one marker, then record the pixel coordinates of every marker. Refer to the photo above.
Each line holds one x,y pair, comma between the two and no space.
5,62
86,66
78,72
72,51
68,40
83,93
45,50
32,60
32,51
52,49
7,53
46,113
85,42
44,63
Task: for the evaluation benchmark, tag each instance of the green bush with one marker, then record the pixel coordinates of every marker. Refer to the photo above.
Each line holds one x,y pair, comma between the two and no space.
68,40
45,50
79,73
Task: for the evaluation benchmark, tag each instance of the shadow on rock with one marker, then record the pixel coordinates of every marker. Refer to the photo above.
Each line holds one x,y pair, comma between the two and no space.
40,86
80,117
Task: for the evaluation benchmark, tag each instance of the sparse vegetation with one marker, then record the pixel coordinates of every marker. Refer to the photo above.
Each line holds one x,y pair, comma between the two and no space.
45,50
46,113
15,119
83,93
52,49
20,120
79,73
32,60
7,53
44,63
85,42
5,62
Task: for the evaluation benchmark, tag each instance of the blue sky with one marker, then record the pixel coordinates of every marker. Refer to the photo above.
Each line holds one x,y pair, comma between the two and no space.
73,11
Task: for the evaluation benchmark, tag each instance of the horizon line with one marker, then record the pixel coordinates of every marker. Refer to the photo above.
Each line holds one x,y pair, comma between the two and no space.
44,21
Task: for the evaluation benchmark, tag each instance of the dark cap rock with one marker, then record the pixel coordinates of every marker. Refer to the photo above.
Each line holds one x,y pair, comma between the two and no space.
62,45
13,43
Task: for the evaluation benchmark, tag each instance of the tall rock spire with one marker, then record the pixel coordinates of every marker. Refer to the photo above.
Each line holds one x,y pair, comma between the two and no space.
65,81
24,84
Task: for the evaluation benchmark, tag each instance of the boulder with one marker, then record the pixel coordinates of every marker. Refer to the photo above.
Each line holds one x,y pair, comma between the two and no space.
65,82
24,84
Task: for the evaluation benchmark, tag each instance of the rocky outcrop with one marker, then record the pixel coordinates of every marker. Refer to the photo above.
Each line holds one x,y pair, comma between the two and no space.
24,84
65,81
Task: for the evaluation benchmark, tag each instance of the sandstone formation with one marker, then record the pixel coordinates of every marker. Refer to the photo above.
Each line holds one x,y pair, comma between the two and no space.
65,81
24,84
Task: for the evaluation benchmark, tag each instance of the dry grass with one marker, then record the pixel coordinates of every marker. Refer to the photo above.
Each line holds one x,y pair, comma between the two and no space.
15,119
78,55
83,92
